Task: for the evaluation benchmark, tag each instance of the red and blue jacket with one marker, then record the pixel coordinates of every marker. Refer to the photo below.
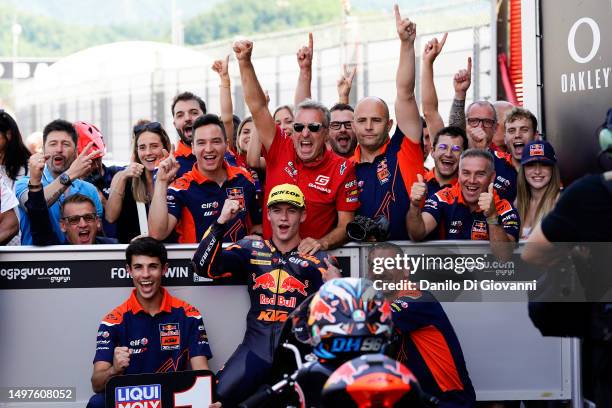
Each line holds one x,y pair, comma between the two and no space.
384,185
450,210
196,203
277,282
158,344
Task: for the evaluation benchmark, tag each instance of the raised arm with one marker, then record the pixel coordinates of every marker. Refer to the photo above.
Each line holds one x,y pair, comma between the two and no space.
345,83
429,96
161,223
80,167
225,97
254,95
406,109
461,82
304,59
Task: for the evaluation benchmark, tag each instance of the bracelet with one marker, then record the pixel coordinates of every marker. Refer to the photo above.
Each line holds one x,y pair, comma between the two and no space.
492,221
34,186
225,86
120,194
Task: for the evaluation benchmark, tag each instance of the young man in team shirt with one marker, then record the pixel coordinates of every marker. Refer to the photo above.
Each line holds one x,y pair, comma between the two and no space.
520,128
327,180
190,204
386,168
186,108
448,144
152,331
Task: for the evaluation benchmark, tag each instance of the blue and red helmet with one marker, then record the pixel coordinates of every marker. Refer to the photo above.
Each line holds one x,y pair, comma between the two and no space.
348,317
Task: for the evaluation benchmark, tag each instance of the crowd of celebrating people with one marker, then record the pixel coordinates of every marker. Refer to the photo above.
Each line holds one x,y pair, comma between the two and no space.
289,180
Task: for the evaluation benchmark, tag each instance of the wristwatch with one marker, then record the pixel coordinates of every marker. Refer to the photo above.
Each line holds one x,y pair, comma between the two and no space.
65,180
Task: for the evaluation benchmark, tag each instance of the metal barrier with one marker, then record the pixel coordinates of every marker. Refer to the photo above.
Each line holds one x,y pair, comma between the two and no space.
52,305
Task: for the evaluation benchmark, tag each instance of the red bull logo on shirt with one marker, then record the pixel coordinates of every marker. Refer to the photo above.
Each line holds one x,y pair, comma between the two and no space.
169,336
140,396
236,193
279,281
480,230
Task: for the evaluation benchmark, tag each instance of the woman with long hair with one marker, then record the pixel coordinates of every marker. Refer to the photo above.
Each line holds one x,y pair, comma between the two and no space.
135,183
538,184
14,155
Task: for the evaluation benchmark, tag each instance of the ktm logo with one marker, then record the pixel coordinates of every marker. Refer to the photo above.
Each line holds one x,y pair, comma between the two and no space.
272,315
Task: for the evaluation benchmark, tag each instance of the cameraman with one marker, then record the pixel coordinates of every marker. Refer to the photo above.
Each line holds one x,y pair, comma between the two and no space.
582,214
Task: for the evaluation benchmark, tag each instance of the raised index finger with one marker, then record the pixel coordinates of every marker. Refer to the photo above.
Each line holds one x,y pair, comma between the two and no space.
398,17
469,66
443,40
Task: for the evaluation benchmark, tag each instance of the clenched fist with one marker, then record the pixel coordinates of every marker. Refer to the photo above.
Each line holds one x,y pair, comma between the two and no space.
243,50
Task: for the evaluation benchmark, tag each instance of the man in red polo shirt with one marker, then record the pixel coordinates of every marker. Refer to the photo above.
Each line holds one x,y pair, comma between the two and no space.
327,180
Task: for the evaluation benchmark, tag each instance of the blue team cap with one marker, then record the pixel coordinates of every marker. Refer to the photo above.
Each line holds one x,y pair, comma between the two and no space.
538,151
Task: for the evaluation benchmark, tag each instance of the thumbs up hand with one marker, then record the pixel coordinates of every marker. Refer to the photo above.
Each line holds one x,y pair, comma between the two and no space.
486,203
418,192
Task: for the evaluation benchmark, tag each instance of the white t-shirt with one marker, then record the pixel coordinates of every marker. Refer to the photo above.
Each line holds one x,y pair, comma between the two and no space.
8,202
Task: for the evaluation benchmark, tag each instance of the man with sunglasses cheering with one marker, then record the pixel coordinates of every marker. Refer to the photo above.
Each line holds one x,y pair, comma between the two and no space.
59,171
78,219
327,180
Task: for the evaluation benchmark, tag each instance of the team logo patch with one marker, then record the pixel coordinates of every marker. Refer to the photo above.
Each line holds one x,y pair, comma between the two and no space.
236,193
480,230
536,149
382,172
257,244
169,336
322,180
138,396
342,168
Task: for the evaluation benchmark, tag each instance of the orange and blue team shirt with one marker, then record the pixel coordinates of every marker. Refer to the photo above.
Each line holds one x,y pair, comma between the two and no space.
429,346
433,186
448,207
384,185
158,344
505,175
196,202
185,158
329,185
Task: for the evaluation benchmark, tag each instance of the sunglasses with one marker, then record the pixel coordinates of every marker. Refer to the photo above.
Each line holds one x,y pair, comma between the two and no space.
151,126
313,127
76,219
348,125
